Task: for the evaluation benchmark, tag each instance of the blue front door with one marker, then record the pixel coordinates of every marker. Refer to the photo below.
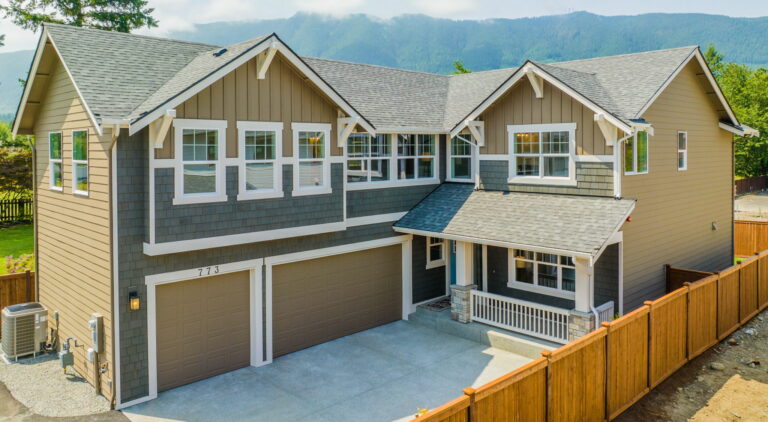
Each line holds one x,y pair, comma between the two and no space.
452,252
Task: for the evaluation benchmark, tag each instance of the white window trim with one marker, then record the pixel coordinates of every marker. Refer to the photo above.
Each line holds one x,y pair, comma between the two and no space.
543,180
277,190
370,184
327,183
535,287
76,191
634,156
683,151
435,263
472,159
59,160
398,157
220,195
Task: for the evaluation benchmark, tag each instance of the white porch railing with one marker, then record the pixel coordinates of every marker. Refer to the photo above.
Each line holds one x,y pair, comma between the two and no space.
546,322
605,312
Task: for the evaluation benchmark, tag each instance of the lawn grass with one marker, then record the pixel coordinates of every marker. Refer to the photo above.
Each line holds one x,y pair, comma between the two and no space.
16,240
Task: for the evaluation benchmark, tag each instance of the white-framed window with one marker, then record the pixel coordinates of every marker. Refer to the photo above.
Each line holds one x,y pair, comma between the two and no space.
636,153
435,252
261,151
542,154
416,156
200,146
461,158
311,149
55,172
545,273
80,162
369,158
682,150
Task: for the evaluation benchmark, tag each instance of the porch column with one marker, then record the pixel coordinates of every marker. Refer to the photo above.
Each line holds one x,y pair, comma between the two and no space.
581,320
461,291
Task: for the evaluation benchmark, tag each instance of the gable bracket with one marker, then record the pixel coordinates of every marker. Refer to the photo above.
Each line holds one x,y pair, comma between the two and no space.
345,127
159,128
536,82
477,129
607,128
263,66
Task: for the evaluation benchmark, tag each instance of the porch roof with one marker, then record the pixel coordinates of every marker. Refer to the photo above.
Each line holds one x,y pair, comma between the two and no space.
568,224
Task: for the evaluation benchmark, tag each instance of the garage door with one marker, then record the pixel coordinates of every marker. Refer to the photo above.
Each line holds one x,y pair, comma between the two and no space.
202,328
322,299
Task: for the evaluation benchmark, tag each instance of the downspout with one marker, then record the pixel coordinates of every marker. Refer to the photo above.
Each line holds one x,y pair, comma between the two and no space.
34,215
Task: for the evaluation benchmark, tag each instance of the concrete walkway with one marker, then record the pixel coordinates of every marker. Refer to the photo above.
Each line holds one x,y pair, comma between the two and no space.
382,374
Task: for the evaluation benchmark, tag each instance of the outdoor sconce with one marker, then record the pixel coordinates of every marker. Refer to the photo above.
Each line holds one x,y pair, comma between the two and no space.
134,302
714,226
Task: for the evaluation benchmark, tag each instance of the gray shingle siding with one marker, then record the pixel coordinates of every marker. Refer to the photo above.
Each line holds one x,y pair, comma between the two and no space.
427,283
383,201
594,179
607,277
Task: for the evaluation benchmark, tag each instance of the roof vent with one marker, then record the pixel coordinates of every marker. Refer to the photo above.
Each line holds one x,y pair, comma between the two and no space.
220,52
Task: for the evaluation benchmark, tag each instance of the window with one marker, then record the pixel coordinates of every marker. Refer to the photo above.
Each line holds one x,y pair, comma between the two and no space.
416,156
460,158
54,156
80,162
542,272
636,153
435,252
312,172
261,152
368,158
199,147
543,154
682,150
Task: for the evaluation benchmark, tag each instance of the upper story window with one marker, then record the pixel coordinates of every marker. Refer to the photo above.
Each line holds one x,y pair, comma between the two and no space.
460,160
542,272
261,152
54,157
435,252
80,162
311,146
368,158
543,154
636,153
416,156
682,150
200,176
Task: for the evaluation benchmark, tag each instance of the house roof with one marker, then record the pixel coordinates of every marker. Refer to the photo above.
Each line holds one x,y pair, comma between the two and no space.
126,76
578,225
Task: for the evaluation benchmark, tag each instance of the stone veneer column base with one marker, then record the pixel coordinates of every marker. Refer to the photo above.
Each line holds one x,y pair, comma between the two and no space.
460,302
580,324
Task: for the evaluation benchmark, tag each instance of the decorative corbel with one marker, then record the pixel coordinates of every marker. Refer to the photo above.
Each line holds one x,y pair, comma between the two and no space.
263,66
159,128
345,127
536,82
608,129
477,129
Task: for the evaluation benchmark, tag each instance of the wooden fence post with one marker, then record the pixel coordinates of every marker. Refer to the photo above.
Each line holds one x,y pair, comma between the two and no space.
547,354
472,413
606,397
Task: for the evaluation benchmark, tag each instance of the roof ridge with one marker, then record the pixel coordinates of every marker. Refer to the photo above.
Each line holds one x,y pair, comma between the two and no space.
375,65
129,34
626,54
484,71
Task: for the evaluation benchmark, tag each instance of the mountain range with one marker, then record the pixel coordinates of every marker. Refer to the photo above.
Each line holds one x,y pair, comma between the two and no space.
428,44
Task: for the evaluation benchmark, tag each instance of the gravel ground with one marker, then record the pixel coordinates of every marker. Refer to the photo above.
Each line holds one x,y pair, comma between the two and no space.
41,385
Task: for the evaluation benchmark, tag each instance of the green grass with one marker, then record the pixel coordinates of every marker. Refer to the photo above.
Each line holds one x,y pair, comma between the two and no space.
16,240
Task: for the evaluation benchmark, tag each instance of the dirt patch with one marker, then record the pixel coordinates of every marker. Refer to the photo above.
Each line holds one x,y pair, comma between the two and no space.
11,410
727,383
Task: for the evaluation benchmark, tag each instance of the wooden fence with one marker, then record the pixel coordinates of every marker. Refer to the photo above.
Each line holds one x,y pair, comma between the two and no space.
16,288
750,237
600,375
13,210
751,184
677,277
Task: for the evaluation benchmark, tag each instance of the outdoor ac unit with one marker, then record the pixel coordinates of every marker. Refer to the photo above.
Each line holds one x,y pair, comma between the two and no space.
24,329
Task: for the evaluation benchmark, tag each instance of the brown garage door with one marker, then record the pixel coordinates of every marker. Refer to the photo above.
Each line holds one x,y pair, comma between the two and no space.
202,328
322,299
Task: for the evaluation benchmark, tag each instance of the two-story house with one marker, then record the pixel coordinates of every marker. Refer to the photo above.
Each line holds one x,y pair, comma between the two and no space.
223,206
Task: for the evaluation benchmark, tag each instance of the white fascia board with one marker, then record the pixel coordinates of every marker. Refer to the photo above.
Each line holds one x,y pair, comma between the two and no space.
732,129
30,81
411,130
616,235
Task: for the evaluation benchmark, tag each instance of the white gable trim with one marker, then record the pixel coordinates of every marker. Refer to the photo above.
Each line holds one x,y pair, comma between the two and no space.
524,71
703,63
267,43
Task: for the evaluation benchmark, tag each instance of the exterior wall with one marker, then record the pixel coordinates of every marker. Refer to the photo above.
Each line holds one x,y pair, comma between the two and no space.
606,275
672,222
427,283
73,235
520,106
594,179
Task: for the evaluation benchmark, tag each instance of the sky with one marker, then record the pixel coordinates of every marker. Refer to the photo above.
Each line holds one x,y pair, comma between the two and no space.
182,14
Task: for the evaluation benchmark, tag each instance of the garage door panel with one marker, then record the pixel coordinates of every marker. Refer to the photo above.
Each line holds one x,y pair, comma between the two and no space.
323,299
203,328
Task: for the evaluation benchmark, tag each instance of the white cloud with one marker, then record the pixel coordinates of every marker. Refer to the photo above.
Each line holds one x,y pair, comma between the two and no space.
16,38
446,8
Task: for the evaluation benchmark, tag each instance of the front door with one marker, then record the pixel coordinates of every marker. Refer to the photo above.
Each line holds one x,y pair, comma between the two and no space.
452,256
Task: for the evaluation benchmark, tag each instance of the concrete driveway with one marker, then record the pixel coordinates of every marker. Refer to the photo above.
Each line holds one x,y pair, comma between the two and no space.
382,374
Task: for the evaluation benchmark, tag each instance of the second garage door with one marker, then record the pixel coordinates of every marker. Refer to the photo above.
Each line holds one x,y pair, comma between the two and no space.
322,299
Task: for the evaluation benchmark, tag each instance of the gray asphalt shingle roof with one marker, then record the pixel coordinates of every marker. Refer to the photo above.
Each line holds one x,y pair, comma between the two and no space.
578,224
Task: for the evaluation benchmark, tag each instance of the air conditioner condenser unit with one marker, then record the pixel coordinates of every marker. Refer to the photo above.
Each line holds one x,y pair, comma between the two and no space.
25,329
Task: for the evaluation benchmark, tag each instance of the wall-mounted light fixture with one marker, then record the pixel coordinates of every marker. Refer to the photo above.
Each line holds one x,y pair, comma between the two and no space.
714,225
134,302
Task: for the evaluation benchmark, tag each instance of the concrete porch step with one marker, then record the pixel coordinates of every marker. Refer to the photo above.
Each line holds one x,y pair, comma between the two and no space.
509,341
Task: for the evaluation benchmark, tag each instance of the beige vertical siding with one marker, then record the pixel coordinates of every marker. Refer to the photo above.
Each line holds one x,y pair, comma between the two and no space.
672,223
520,106
284,95
74,231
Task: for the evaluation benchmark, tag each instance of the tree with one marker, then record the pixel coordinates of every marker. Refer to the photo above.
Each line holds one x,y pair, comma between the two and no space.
15,173
111,15
714,59
8,141
459,68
